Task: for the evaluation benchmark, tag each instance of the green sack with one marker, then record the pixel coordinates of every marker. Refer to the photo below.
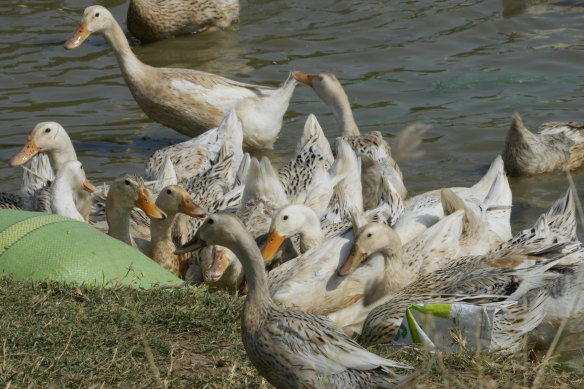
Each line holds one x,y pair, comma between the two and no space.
39,246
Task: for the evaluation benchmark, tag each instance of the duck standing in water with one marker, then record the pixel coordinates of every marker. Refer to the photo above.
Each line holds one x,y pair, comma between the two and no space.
151,20
557,146
187,100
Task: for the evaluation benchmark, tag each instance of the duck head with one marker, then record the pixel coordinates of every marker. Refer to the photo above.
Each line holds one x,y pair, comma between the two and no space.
174,198
47,137
96,19
371,239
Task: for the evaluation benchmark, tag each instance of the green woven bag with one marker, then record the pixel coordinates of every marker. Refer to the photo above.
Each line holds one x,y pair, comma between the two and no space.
39,246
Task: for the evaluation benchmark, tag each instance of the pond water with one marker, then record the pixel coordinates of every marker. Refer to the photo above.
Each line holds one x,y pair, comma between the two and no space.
462,66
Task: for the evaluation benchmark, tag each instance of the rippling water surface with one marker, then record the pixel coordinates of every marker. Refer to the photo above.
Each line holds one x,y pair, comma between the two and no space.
462,66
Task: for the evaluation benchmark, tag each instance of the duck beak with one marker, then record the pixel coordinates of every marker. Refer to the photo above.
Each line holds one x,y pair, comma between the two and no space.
146,204
78,37
88,186
304,78
272,245
29,150
356,256
220,263
192,245
188,207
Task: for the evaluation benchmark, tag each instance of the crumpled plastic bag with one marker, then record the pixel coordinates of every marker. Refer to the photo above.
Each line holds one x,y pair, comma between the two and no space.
436,326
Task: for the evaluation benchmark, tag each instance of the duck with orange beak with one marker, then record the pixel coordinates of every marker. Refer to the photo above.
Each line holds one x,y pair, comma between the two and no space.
172,199
124,194
188,100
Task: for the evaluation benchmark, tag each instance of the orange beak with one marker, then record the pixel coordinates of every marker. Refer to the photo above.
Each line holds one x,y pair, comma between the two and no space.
146,204
272,245
303,77
188,207
29,150
78,37
353,260
88,186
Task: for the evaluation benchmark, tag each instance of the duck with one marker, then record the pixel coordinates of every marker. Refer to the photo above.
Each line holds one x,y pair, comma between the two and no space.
326,206
262,196
151,20
50,138
553,234
125,193
171,200
292,348
372,148
557,146
35,189
69,181
491,195
187,100
197,155
313,151
314,281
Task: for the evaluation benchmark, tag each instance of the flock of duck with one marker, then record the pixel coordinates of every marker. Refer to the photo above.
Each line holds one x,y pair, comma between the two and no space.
346,249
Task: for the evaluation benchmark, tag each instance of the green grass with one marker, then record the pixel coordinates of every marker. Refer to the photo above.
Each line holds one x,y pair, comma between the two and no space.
56,335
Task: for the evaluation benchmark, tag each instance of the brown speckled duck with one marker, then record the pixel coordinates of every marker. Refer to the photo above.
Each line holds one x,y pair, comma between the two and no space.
151,20
187,100
557,146
292,349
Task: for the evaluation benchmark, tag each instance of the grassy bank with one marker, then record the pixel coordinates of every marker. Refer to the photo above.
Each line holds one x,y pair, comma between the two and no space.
54,335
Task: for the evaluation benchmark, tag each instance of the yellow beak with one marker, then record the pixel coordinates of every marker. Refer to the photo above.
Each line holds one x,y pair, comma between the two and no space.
272,245
89,186
303,77
78,37
146,204
29,150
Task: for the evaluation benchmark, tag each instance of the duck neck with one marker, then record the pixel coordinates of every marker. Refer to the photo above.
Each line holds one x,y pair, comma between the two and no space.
258,295
128,61
118,221
311,234
62,200
344,115
62,155
397,272
160,230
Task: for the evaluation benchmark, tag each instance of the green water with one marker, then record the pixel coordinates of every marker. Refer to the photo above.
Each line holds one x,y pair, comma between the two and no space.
462,66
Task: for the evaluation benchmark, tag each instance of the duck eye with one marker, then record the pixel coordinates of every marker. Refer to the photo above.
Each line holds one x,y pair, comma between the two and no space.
168,191
210,221
285,217
47,130
127,182
369,235
97,14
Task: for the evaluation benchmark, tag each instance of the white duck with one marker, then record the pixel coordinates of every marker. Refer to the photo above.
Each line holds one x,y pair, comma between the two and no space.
51,139
190,101
70,180
492,193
